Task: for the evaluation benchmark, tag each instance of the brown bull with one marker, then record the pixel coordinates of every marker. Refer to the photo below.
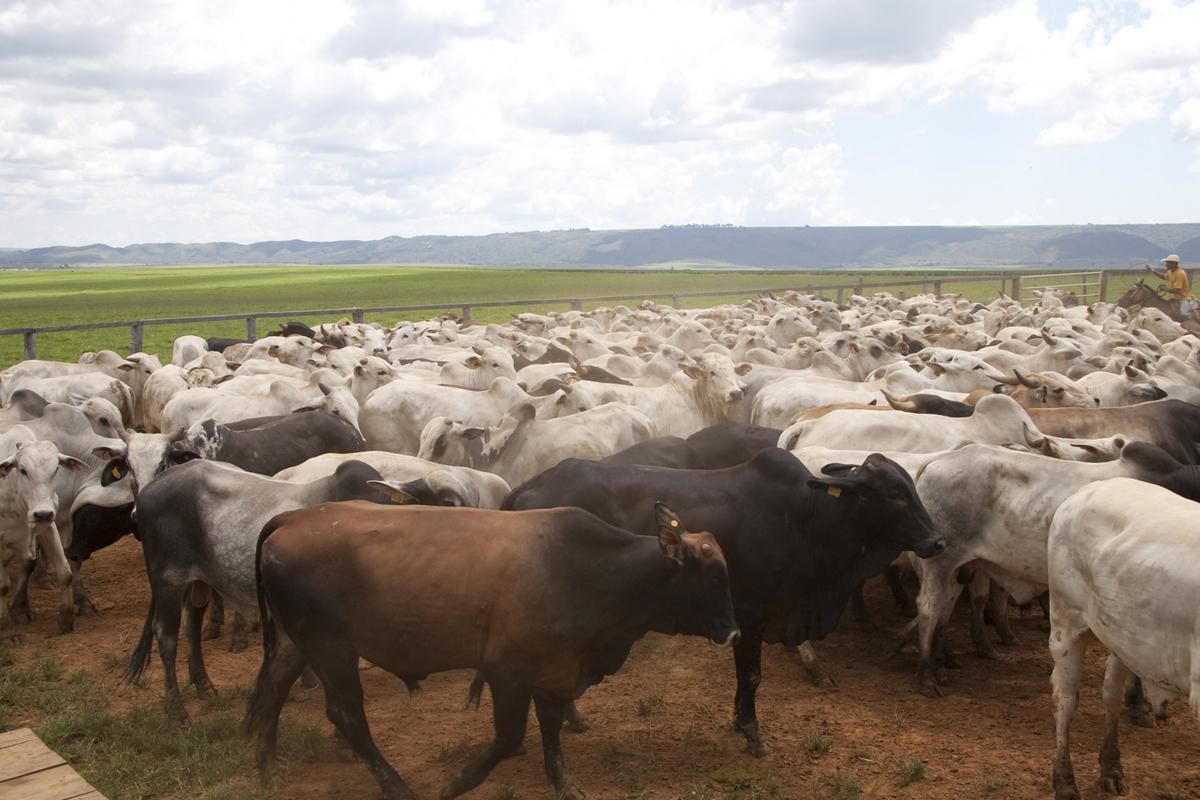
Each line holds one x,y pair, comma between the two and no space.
543,603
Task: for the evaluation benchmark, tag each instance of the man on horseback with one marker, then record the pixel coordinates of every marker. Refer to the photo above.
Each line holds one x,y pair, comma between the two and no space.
1177,286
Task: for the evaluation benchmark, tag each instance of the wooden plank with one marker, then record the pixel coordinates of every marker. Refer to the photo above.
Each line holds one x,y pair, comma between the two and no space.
26,758
16,737
56,783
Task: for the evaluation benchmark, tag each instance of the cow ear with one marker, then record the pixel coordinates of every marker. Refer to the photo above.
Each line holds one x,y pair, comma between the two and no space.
692,371
6,466
116,469
105,453
359,371
473,362
182,456
472,432
415,492
743,368
670,533
72,463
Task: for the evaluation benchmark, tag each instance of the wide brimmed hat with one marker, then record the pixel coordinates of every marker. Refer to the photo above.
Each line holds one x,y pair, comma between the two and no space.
1171,259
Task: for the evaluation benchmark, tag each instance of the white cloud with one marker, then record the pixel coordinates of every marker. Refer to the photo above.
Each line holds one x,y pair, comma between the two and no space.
190,120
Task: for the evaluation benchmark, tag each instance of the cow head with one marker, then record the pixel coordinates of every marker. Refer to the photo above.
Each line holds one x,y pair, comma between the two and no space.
33,468
439,487
704,606
145,456
1045,390
887,496
717,386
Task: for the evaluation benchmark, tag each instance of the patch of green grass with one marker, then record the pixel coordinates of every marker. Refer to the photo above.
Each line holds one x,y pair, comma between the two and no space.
992,783
910,771
452,752
818,743
650,705
841,786
40,298
740,782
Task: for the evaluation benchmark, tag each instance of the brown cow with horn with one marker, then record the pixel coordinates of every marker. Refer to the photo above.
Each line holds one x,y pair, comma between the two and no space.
544,603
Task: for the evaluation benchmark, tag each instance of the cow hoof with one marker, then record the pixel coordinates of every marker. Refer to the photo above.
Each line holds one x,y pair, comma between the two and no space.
1141,718
578,723
175,710
206,689
930,688
211,632
84,606
866,626
237,645
22,613
988,652
66,621
757,748
1009,641
8,634
951,661
823,681
1113,783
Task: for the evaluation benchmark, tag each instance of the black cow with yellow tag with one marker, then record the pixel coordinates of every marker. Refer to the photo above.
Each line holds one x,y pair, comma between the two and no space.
797,544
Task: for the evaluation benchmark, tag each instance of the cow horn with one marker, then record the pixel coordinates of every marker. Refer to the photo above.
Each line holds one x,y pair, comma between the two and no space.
1026,380
1050,340
1036,439
176,435
900,404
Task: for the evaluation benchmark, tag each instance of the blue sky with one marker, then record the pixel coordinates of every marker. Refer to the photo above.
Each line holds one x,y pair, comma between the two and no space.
131,121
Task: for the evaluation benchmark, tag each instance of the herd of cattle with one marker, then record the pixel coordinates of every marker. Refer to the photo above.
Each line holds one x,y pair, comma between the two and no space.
529,499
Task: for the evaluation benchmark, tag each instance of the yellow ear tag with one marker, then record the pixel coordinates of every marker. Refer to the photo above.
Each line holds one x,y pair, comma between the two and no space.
399,497
116,472
833,491
674,523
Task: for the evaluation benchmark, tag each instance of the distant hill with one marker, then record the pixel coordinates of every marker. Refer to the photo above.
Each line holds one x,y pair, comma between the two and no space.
715,246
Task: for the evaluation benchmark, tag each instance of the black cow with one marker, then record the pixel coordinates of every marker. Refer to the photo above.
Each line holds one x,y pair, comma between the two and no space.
725,444
278,444
217,344
797,544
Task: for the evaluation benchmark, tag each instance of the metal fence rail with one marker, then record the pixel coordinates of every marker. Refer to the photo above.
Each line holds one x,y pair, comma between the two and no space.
1012,281
1087,286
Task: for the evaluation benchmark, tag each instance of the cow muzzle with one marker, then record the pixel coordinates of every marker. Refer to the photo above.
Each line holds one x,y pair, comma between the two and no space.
731,638
931,547
41,516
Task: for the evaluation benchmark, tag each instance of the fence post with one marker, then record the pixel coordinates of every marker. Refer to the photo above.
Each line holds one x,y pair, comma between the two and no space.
1016,288
900,295
924,286
858,287
674,301
576,305
30,345
839,295
356,314
1103,286
135,338
466,315
1003,276
937,288
251,327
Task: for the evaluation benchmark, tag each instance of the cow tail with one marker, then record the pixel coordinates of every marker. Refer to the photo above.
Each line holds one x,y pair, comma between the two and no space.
140,658
475,693
257,712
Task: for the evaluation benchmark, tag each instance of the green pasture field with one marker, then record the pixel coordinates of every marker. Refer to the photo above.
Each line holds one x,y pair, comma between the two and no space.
38,298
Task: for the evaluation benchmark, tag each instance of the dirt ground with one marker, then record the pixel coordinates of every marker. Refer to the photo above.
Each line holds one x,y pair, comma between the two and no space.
660,728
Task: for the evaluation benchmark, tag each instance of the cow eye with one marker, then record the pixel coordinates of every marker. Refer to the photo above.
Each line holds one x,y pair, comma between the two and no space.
979,366
23,472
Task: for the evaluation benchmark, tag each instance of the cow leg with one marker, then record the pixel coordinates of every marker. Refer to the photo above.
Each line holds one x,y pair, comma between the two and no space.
212,628
1112,777
336,666
858,604
935,602
280,668
812,666
576,720
550,719
1066,647
193,617
83,603
167,613
510,711
998,603
747,659
20,605
1140,710
6,588
979,592
900,594
238,640
47,536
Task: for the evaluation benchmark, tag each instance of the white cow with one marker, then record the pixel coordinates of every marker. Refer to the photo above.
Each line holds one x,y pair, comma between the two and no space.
520,446
426,482
1122,559
29,506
